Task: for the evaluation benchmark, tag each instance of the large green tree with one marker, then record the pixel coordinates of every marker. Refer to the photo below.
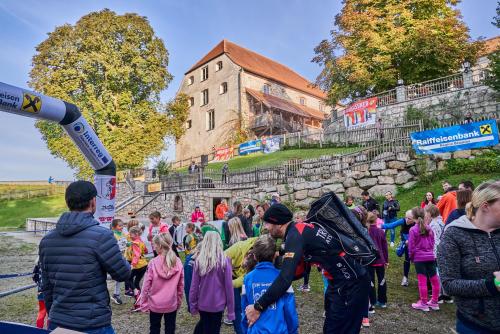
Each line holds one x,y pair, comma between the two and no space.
113,68
376,42
493,79
178,113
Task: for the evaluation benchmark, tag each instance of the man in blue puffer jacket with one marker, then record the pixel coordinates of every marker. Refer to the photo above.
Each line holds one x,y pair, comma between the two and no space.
76,258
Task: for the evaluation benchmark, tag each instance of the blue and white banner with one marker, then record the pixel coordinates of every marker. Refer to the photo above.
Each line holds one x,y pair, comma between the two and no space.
250,147
456,138
271,144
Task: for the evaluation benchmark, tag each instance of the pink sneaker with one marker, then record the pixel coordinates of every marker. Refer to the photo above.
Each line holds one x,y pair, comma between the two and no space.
420,306
433,305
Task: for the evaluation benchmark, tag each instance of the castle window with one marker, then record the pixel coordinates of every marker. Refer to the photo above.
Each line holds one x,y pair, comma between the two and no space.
210,120
204,73
266,88
204,97
223,88
218,66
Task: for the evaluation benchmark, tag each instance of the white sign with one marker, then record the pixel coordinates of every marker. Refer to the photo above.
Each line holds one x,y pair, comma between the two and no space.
106,191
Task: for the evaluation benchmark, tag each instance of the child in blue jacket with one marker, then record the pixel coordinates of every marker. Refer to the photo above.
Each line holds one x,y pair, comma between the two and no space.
279,318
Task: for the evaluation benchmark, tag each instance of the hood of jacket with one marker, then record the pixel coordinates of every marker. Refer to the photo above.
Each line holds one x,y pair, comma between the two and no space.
160,268
74,222
462,222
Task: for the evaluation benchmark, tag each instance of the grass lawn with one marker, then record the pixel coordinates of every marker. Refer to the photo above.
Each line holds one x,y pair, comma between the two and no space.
413,197
276,158
13,213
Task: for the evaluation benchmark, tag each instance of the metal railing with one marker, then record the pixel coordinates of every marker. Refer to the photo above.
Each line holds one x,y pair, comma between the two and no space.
386,98
339,163
361,136
447,84
434,87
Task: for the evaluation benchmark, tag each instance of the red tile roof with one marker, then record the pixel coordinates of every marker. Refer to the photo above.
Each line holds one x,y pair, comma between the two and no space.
490,45
257,64
279,103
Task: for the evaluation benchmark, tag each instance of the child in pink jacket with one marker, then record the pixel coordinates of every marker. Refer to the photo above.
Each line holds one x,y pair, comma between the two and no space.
421,253
163,286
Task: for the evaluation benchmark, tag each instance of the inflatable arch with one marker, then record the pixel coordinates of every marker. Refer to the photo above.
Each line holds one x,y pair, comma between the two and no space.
23,102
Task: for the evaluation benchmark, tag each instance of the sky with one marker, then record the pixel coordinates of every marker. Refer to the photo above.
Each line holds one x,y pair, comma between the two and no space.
284,30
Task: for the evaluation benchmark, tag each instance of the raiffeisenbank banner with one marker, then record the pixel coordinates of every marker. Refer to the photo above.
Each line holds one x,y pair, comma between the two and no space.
456,138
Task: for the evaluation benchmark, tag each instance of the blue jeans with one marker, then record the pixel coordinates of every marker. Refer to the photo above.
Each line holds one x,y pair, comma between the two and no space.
237,311
463,329
391,230
102,330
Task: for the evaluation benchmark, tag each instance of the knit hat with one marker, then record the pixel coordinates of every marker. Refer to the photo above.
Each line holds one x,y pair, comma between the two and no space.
278,214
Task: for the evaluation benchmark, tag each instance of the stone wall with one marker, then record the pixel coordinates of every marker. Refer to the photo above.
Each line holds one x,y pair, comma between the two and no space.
452,106
384,174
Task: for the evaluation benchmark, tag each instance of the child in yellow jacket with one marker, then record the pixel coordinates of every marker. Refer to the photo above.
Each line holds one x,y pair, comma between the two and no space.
136,252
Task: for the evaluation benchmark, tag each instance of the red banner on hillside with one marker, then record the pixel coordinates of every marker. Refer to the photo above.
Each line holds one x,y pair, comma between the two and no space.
223,153
361,113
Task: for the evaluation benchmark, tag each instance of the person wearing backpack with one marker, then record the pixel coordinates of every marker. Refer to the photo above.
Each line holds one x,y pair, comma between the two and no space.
347,295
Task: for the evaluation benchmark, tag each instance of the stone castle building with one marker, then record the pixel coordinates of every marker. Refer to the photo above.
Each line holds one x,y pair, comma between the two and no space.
234,88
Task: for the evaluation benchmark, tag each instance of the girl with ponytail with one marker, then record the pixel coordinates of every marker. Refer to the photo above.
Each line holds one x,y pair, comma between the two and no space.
421,251
163,285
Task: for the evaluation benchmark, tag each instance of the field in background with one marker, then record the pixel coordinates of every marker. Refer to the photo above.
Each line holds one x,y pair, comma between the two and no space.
20,191
273,159
13,213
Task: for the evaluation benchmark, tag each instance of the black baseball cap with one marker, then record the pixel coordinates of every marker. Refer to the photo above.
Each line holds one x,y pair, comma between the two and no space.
80,191
278,214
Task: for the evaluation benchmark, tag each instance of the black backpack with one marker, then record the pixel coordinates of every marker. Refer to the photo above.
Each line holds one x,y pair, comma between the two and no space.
330,213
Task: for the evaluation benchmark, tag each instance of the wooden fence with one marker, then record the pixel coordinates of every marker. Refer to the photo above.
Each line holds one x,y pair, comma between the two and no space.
13,192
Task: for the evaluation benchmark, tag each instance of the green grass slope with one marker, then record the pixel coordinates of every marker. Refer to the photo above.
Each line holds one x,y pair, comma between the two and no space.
273,159
13,213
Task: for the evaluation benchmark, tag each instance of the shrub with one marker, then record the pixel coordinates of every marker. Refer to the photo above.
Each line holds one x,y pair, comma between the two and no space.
486,163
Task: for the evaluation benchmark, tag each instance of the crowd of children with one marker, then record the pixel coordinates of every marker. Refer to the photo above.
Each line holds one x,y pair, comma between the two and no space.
228,266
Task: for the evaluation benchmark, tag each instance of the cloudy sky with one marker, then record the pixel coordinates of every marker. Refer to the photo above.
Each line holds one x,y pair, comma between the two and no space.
284,30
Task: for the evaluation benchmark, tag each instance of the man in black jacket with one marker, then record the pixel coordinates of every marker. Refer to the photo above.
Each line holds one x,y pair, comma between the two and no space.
346,298
76,258
369,202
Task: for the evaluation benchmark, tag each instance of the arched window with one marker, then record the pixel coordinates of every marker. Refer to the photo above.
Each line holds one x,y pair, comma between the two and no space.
178,206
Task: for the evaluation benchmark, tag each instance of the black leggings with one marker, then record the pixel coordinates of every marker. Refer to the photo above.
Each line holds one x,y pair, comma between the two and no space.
155,322
136,276
406,263
307,273
346,306
378,293
209,323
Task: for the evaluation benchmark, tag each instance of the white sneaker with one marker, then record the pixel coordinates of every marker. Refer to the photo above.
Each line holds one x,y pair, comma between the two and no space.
404,282
392,244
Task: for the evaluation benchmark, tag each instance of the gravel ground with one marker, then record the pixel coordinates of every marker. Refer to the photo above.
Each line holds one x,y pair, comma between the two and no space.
18,256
